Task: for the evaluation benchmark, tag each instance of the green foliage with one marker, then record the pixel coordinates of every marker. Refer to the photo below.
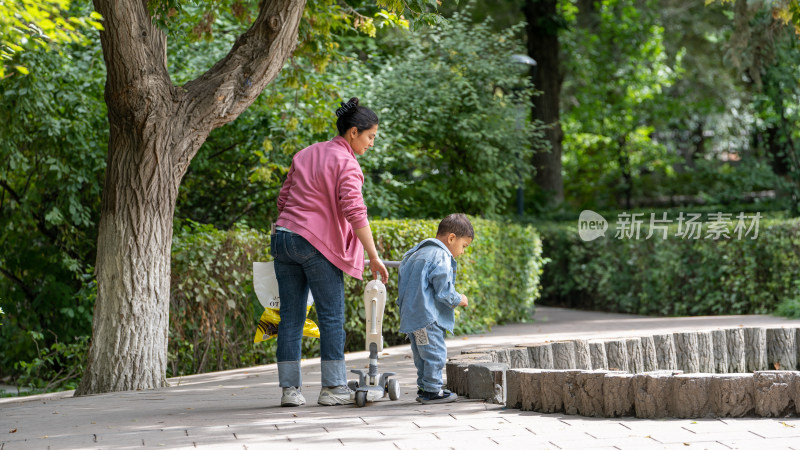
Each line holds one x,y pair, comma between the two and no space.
214,312
467,152
28,25
499,273
55,368
723,184
238,172
777,108
53,134
213,309
619,70
455,128
674,276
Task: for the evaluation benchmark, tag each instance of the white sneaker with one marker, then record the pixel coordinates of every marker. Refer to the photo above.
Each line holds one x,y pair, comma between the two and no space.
292,397
337,395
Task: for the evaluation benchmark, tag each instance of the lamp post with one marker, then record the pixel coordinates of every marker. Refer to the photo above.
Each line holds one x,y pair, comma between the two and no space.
527,63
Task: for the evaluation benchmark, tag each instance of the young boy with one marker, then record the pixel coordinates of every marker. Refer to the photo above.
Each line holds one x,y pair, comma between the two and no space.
427,300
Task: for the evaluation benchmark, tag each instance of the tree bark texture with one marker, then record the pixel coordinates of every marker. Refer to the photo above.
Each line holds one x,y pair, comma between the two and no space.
530,389
617,355
635,355
500,355
686,349
598,354
732,395
781,349
649,353
156,129
518,358
737,360
541,356
514,387
651,395
552,390
590,393
665,352
542,32
572,392
705,350
564,355
618,397
583,359
772,394
720,342
690,395
755,347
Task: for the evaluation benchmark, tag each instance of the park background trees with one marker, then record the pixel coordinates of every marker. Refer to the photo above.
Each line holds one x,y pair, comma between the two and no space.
658,106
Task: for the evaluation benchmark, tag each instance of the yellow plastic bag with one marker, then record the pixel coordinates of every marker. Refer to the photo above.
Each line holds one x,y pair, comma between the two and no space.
266,287
268,325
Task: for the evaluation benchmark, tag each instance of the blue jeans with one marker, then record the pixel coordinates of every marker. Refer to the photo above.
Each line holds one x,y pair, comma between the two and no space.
300,267
430,357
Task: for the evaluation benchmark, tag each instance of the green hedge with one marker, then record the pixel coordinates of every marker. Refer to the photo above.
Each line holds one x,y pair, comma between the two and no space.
499,273
674,276
214,311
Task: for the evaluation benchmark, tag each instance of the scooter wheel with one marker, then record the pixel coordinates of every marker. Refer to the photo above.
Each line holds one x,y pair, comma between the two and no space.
352,384
361,398
394,389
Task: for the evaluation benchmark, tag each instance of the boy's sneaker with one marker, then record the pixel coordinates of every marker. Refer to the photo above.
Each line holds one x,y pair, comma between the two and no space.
336,395
292,397
443,396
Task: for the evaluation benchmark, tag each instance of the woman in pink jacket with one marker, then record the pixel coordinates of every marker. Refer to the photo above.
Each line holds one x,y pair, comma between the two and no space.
321,233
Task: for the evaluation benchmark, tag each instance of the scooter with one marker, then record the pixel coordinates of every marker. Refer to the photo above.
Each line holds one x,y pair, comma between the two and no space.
371,384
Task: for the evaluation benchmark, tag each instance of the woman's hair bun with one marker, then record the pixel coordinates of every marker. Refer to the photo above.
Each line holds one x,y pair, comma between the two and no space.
348,107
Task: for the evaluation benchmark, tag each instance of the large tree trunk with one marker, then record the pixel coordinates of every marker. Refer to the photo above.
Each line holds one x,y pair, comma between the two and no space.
156,129
542,31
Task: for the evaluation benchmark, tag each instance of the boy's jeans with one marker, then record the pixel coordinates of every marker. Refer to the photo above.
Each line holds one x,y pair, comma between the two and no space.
300,267
430,356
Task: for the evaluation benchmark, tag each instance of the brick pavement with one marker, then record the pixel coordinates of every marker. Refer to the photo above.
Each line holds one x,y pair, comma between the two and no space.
239,409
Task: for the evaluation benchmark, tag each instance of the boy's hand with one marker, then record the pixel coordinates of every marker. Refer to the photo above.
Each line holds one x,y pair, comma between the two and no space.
464,301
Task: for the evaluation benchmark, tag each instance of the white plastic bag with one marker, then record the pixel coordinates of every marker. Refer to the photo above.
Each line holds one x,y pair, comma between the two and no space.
265,284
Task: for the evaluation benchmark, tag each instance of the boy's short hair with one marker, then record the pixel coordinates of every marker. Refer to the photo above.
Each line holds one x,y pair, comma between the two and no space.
457,224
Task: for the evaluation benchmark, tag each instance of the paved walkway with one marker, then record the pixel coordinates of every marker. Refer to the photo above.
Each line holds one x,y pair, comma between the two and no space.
239,409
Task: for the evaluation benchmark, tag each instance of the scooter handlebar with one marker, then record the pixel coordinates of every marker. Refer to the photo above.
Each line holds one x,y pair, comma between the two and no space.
388,264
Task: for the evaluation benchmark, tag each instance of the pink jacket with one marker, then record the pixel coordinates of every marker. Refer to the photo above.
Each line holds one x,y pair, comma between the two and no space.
321,201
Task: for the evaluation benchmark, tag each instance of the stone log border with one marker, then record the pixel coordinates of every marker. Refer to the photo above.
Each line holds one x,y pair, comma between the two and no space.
682,375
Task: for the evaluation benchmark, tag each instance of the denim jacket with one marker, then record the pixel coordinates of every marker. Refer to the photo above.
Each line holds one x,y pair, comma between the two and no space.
427,287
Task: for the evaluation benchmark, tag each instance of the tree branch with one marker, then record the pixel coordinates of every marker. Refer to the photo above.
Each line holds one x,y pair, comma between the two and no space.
227,89
25,289
135,52
11,191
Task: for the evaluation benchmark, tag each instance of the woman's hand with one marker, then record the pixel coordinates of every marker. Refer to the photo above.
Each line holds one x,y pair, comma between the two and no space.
377,268
375,264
